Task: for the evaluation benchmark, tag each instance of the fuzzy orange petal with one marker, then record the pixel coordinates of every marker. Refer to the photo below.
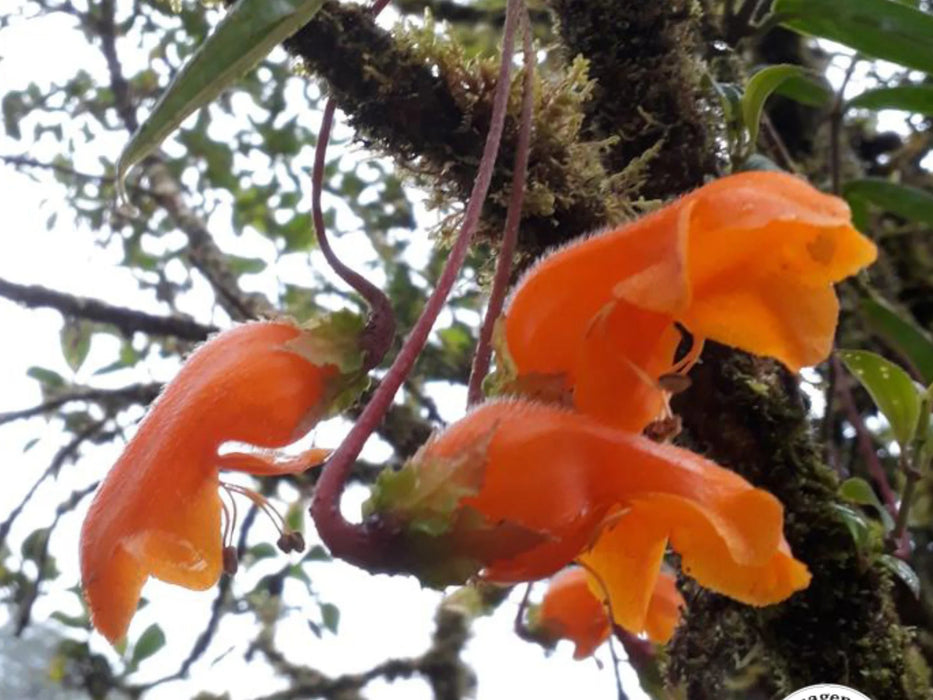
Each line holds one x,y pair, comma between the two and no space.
158,511
551,308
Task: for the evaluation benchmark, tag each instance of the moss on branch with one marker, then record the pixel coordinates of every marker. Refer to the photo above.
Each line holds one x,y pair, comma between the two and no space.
746,413
644,59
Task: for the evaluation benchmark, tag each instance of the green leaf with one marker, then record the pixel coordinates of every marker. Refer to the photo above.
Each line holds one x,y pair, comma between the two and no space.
910,98
857,490
901,333
905,201
249,31
903,571
330,616
148,644
805,89
758,89
76,342
50,379
80,621
316,553
890,387
855,523
879,28
263,550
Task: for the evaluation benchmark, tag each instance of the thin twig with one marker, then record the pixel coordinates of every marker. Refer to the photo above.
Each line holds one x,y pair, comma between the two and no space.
69,504
513,219
354,543
67,452
135,393
126,320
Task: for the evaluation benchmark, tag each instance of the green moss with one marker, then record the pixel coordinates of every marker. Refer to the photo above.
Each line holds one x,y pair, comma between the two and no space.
744,413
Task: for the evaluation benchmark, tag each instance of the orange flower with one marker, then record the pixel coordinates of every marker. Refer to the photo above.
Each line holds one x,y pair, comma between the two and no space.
518,490
158,512
748,260
569,610
573,609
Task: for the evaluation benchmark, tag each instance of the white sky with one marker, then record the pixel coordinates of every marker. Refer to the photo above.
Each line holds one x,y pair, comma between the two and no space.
381,617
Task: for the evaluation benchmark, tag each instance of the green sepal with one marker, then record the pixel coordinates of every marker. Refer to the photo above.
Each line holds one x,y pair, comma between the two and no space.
426,492
332,339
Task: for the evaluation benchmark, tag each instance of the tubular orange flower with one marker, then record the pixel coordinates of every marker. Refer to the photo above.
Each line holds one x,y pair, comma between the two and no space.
570,487
748,260
158,512
573,609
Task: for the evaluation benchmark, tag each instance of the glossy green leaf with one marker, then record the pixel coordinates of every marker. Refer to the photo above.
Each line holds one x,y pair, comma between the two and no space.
910,98
903,571
909,202
806,90
901,333
857,490
890,387
855,523
49,379
758,89
250,30
880,28
149,643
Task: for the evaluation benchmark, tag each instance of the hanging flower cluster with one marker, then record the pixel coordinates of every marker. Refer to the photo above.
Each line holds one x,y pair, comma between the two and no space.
555,471
523,486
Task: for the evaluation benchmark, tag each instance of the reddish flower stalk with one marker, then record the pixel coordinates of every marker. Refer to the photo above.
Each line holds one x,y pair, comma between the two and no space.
380,327
513,219
359,544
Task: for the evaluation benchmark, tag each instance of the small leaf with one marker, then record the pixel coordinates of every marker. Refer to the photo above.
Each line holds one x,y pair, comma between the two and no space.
758,89
80,621
330,616
890,387
50,379
316,553
805,89
855,523
880,28
249,31
859,491
76,342
909,202
903,571
901,333
263,550
148,644
910,98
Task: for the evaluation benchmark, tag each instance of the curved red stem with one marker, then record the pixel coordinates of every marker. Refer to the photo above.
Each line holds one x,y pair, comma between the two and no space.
359,544
513,219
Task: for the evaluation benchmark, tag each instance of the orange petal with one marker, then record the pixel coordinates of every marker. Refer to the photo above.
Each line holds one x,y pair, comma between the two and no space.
625,562
664,610
569,610
551,308
706,556
158,511
764,250
625,350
